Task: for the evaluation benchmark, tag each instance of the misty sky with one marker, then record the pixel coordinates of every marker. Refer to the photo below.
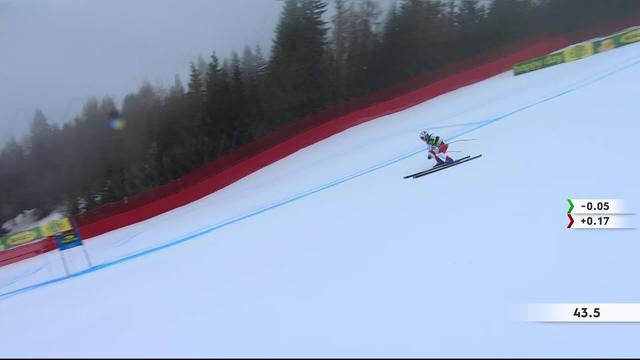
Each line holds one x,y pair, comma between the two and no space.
54,54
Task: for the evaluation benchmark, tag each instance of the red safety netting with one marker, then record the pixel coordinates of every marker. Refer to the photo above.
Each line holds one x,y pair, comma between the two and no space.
487,64
26,251
305,132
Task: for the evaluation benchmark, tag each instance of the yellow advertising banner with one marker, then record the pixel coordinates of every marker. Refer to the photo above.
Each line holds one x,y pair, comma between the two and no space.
604,45
22,238
578,52
56,226
37,233
629,37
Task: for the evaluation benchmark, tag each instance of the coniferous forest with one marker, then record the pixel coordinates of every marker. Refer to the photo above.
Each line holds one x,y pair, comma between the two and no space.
110,151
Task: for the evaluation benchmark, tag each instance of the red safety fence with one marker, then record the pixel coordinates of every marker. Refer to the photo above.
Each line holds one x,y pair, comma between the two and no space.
26,251
316,127
303,133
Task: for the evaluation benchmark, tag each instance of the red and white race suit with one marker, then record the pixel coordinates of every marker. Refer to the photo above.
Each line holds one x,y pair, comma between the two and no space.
438,150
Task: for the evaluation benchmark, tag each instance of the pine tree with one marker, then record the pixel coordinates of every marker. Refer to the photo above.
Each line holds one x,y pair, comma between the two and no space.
41,164
195,118
298,65
342,23
248,65
363,42
469,20
195,90
237,125
260,62
13,162
385,59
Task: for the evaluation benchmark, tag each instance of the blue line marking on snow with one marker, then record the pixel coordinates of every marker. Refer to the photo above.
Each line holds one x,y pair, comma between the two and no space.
215,227
478,125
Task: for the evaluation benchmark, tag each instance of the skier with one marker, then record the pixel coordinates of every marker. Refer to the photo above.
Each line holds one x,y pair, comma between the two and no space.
437,148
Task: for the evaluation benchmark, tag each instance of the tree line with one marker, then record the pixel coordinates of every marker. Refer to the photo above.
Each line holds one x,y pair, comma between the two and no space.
158,134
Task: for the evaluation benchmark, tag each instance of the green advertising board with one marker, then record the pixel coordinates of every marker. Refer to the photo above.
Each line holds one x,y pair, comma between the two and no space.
21,238
579,51
538,63
37,233
627,37
604,44
624,38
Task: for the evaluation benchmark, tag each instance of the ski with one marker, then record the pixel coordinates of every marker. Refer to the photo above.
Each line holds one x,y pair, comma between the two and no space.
433,168
430,171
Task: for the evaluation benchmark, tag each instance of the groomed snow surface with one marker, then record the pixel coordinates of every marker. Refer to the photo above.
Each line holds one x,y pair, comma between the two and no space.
330,252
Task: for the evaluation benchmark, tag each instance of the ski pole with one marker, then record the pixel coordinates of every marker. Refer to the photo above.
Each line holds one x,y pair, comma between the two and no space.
462,140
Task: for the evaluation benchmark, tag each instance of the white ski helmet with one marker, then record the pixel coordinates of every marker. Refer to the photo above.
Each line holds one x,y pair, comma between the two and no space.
424,136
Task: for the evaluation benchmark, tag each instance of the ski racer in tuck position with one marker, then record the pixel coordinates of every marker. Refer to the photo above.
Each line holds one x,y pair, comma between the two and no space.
437,148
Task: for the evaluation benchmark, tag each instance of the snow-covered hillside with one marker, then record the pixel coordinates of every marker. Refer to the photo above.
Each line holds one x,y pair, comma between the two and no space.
330,252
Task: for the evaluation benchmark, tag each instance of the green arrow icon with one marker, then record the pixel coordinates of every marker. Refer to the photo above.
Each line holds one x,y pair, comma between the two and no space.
570,207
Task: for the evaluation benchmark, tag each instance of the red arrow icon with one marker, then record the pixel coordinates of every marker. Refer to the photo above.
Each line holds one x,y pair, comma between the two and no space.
571,222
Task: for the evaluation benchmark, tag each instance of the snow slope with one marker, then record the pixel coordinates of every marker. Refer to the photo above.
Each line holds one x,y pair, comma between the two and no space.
330,252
